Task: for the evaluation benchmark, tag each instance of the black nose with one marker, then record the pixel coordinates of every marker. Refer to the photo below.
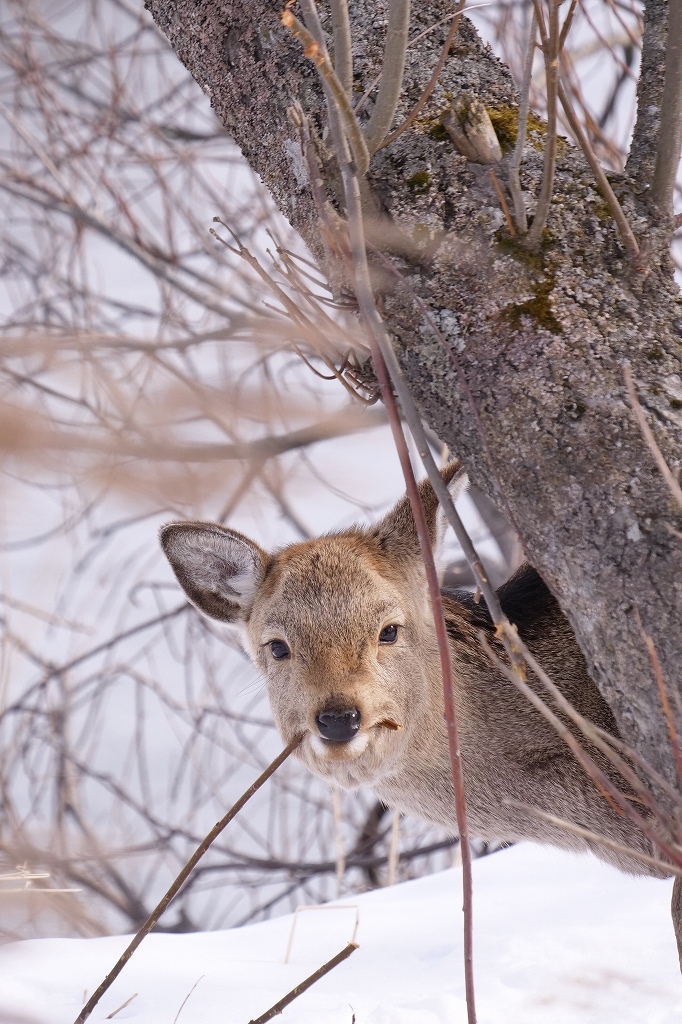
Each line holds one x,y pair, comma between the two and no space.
338,726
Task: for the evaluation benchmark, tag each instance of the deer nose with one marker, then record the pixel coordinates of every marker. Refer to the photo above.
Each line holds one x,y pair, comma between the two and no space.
338,725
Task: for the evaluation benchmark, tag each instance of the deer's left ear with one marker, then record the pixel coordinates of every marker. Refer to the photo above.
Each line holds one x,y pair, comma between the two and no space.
397,533
220,570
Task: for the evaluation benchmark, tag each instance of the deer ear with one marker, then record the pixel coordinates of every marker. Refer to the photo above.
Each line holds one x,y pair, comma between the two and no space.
397,533
220,570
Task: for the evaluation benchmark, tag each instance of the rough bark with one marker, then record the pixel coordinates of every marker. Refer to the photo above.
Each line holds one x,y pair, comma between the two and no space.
536,407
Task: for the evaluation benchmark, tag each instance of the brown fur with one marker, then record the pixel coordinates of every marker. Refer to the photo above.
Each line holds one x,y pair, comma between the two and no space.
328,600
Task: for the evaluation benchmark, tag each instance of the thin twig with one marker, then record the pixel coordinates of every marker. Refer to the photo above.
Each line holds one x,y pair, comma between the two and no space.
381,347
182,878
602,740
670,131
469,395
110,1016
592,836
524,104
184,1001
503,202
446,671
413,42
304,985
566,27
393,67
668,476
626,232
550,52
663,694
423,99
343,45
317,53
611,792
393,849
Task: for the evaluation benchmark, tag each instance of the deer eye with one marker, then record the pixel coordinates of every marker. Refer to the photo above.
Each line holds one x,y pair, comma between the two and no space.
388,635
279,650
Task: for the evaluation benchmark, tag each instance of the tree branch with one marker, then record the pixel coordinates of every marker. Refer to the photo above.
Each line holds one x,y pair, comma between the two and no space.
305,985
524,105
670,134
625,231
645,140
550,51
343,47
391,74
181,879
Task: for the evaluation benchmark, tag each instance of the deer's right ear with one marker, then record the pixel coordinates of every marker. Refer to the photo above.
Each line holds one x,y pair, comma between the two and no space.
220,570
397,532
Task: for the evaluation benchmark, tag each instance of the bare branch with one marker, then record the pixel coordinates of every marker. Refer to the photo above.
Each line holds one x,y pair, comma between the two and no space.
626,233
304,985
667,475
181,879
343,44
393,66
423,99
670,132
550,52
594,837
316,51
524,104
382,350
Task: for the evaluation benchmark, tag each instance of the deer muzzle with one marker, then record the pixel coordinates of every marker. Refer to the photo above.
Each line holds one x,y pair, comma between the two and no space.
338,725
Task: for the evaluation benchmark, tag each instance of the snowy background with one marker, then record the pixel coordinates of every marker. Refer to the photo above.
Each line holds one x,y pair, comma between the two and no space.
559,939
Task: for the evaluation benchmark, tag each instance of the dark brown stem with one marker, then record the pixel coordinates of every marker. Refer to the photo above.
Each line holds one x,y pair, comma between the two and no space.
304,985
181,879
382,352
446,669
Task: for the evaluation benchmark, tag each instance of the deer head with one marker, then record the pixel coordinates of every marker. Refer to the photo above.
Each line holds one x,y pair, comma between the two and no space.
340,627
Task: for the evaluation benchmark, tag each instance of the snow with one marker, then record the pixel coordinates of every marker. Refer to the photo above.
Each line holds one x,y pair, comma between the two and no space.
559,939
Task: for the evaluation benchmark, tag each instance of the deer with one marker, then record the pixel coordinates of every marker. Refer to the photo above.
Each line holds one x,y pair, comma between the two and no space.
342,630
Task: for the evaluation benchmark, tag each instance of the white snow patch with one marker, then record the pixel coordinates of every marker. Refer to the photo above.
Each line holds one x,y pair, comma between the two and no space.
559,939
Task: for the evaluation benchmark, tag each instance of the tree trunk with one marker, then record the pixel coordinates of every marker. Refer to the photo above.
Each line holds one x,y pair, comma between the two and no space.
530,394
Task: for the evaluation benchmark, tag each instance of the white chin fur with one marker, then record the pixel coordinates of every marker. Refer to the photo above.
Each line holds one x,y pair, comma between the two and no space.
325,751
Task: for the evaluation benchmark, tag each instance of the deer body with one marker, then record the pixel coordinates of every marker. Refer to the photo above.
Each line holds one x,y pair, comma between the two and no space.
342,630
509,752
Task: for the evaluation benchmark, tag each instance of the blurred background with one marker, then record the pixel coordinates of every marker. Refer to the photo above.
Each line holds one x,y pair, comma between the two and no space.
151,370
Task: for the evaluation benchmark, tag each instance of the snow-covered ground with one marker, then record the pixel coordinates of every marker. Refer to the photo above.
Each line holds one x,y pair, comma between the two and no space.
559,939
